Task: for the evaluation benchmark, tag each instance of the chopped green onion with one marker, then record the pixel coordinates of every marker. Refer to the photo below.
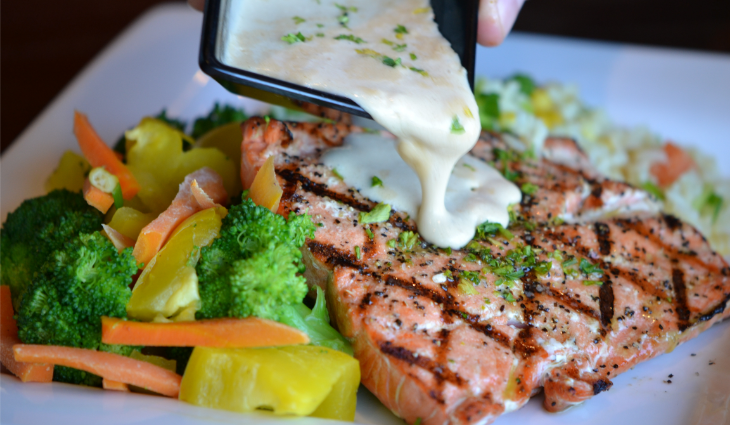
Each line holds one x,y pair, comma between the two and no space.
413,56
350,37
529,188
346,9
118,199
298,20
400,29
369,233
456,127
320,26
358,253
293,38
654,190
337,174
103,180
467,288
378,214
375,181
391,62
419,70
588,268
407,240
319,34
400,47
469,166
592,283
391,243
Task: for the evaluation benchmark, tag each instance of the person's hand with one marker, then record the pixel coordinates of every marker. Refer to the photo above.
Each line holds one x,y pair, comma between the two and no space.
496,18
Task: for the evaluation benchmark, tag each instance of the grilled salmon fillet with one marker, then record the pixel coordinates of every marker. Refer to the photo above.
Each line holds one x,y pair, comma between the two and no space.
589,280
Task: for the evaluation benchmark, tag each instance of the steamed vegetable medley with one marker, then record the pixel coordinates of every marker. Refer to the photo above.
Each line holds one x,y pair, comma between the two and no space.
145,267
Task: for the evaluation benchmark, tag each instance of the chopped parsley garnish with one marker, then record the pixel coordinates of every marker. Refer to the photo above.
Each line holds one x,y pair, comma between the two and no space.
456,127
391,62
505,157
400,29
298,20
375,181
588,268
418,70
592,283
654,190
488,229
369,233
413,56
529,189
358,253
350,37
293,38
506,295
378,214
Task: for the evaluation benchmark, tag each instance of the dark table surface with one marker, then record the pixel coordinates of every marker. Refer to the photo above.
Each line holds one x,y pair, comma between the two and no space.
46,42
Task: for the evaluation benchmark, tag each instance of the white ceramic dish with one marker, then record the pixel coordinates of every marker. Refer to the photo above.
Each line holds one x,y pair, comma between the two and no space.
153,65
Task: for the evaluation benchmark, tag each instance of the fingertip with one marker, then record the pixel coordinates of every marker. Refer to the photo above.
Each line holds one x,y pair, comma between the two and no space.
197,4
496,18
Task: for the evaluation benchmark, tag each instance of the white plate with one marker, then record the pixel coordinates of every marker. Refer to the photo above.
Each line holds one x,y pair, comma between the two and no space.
153,65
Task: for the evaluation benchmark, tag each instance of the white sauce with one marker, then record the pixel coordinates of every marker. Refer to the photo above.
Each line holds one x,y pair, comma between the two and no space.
418,109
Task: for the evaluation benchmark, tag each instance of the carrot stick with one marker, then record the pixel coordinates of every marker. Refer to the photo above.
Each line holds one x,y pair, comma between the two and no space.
678,162
155,234
227,333
100,154
109,366
27,372
114,385
95,197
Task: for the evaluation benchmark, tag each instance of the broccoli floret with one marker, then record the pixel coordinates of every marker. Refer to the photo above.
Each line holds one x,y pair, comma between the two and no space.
253,267
78,284
36,229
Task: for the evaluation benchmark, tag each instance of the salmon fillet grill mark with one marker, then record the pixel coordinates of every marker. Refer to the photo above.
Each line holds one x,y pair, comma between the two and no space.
593,281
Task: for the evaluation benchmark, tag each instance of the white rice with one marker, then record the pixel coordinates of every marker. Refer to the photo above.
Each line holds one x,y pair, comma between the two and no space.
619,152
